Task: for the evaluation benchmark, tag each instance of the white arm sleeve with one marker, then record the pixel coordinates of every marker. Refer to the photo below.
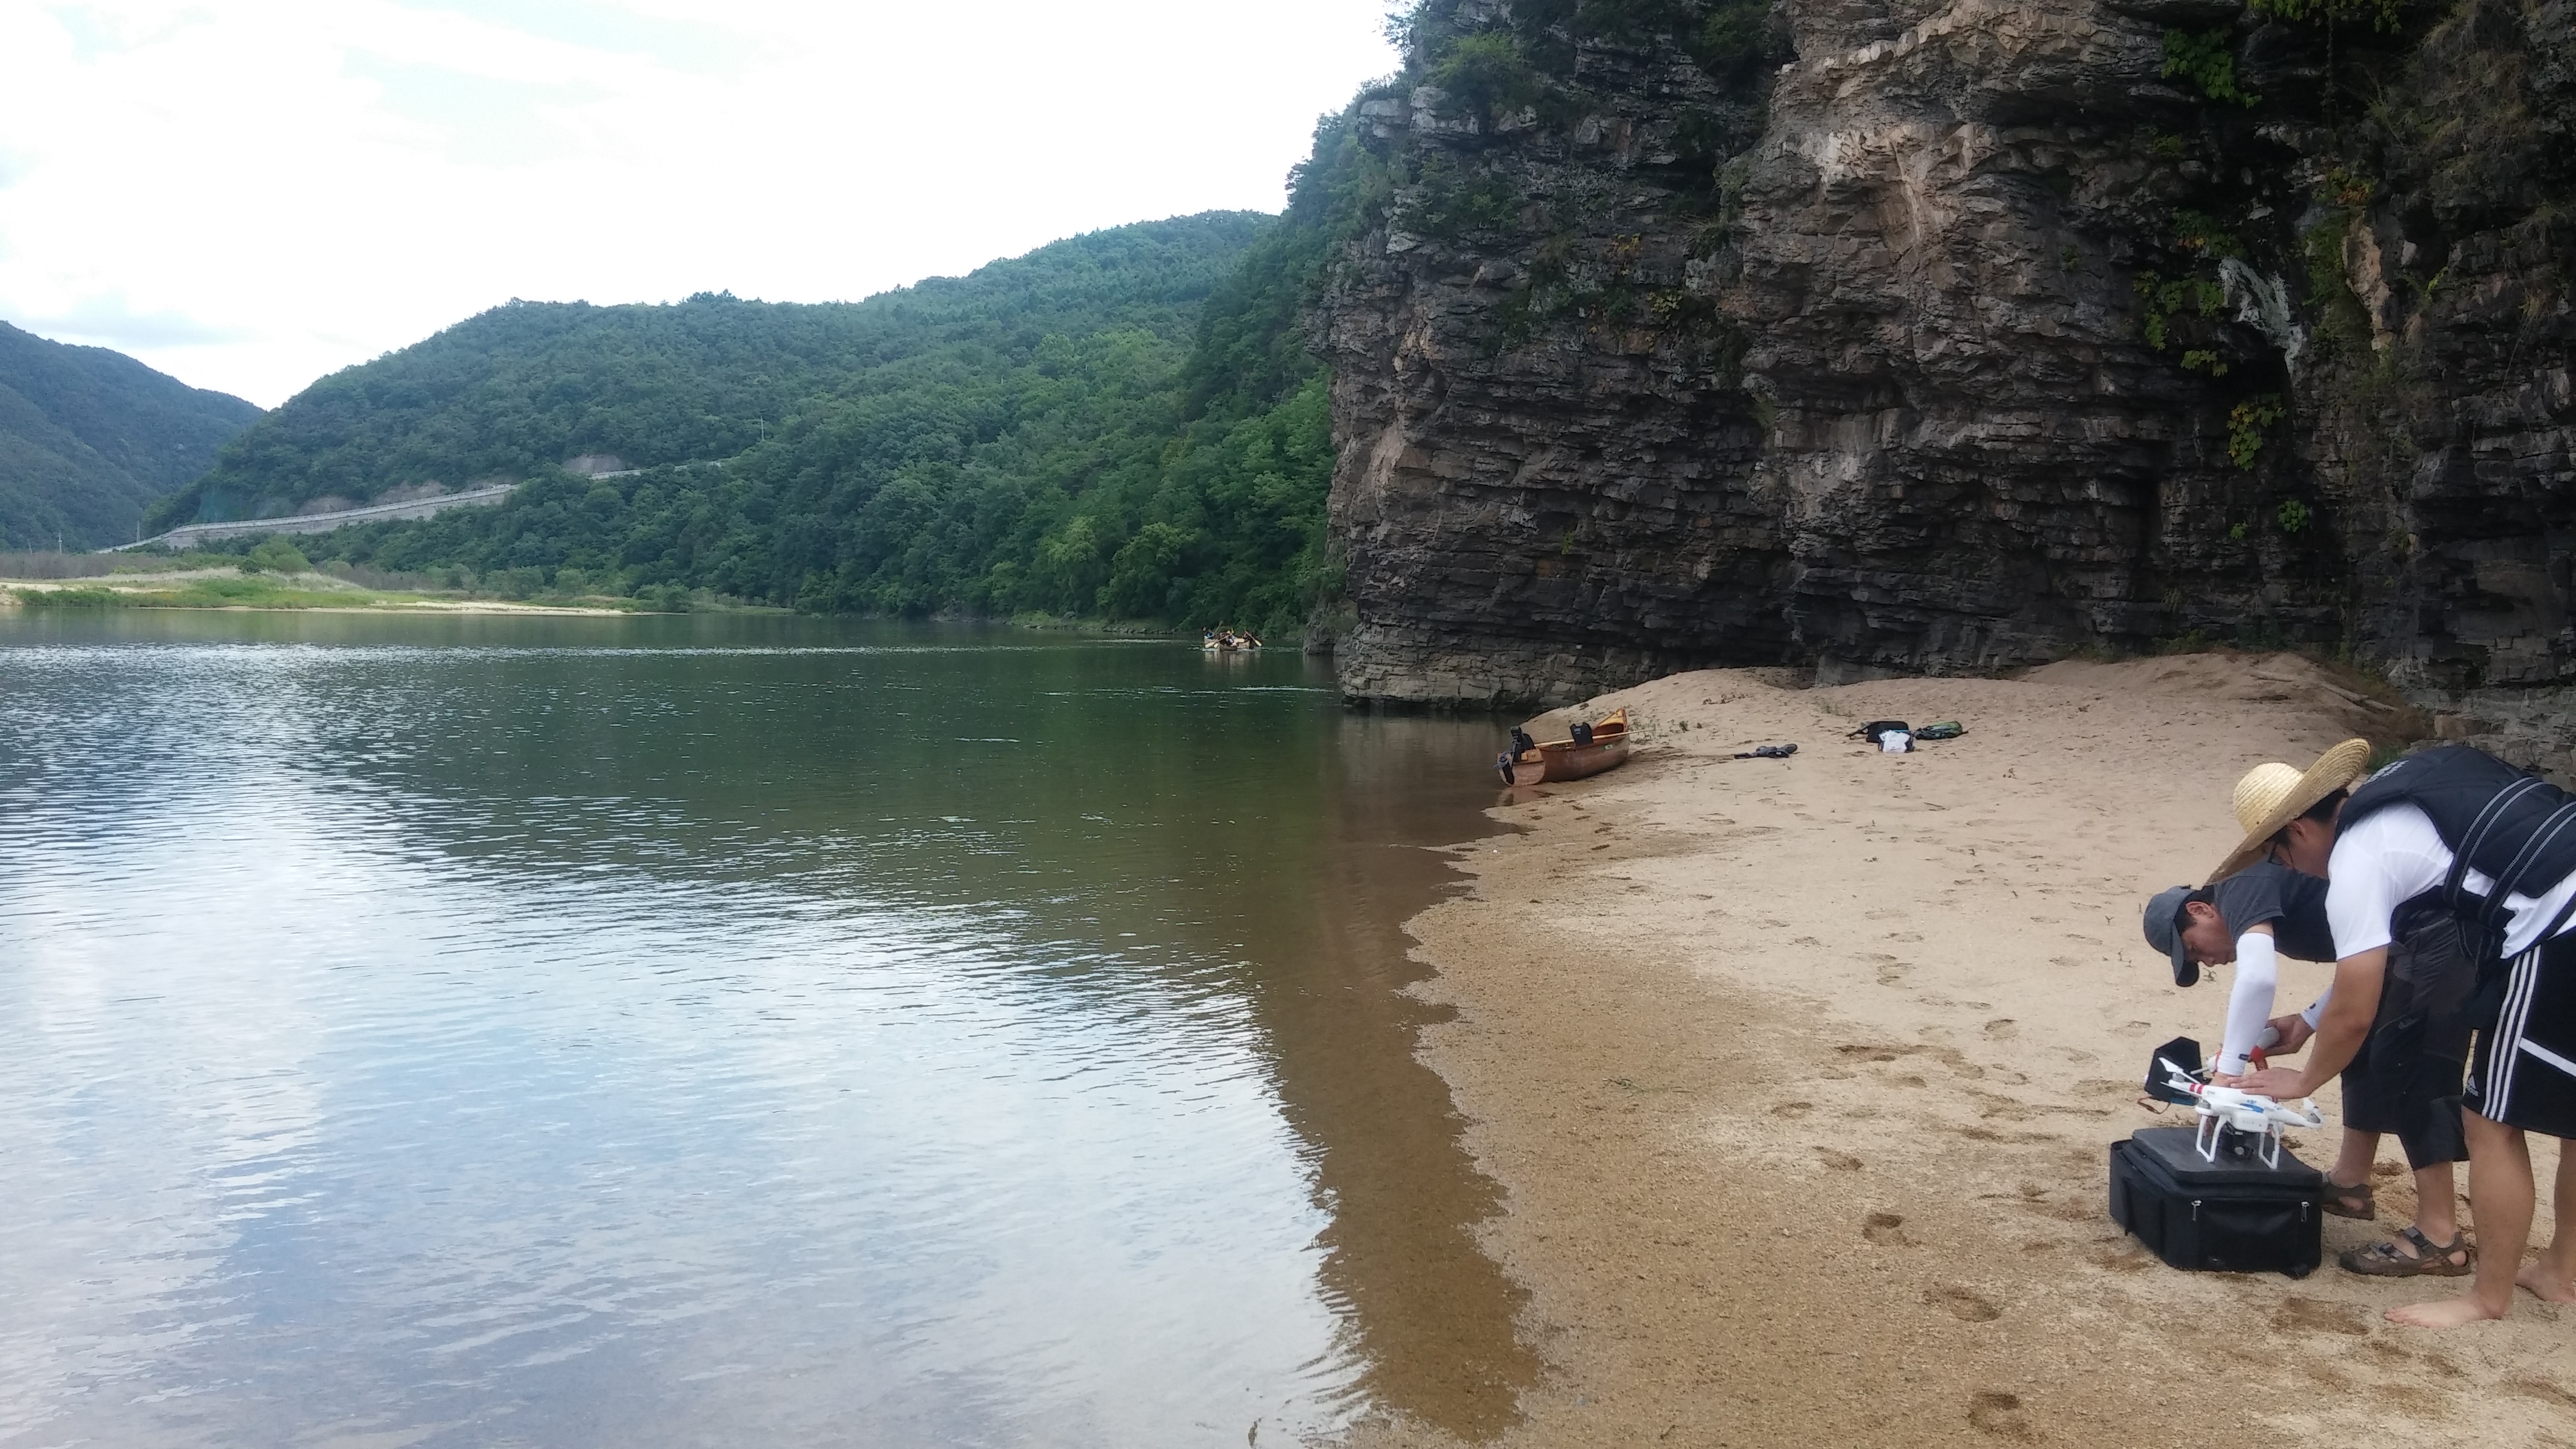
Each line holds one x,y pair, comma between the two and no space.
2316,1011
2249,1002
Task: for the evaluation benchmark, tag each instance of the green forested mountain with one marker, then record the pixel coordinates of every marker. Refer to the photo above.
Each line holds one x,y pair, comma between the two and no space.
89,438
1118,423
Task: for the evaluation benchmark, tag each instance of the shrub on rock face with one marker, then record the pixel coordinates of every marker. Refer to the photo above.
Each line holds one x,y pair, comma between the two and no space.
1738,39
1486,75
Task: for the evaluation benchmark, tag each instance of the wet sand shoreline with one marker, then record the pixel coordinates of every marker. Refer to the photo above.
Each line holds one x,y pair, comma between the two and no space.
1799,1079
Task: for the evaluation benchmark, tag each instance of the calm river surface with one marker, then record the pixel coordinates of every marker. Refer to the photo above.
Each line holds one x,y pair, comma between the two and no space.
718,1030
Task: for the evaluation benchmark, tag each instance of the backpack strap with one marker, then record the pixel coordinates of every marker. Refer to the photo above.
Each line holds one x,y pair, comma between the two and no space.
2542,835
2488,910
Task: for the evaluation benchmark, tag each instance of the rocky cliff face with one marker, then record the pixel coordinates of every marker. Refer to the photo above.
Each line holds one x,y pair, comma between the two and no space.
1972,335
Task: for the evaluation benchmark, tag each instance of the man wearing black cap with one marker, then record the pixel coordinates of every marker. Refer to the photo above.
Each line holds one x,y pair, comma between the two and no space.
2267,909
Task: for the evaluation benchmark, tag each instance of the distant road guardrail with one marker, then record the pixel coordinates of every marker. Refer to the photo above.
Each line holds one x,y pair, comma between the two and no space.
189,534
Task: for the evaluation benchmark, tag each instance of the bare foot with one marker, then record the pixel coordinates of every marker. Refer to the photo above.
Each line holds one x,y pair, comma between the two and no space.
2545,1286
2443,1313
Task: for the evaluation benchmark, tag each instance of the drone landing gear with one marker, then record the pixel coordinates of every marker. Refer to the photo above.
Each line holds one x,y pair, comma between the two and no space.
2214,1137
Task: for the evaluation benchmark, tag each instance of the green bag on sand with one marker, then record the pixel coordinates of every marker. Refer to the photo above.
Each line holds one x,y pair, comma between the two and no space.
1948,729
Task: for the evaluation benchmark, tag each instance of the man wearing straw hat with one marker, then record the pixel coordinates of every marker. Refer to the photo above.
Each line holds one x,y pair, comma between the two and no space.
2405,1080
2460,832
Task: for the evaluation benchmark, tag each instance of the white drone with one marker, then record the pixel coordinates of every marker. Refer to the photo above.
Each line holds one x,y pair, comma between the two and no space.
2222,1108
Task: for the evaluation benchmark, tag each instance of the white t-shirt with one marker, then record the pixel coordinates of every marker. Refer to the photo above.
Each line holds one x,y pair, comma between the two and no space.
2395,855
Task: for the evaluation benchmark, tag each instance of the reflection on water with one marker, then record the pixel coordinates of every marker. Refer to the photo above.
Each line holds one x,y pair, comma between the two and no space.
657,1031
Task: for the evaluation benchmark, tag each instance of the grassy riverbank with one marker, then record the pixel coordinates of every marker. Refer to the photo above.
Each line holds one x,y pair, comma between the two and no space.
276,576
234,590
86,582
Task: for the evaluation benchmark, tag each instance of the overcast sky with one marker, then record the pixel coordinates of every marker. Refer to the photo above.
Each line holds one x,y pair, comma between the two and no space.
250,193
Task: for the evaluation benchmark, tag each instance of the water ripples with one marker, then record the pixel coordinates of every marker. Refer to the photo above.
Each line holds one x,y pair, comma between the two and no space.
581,1044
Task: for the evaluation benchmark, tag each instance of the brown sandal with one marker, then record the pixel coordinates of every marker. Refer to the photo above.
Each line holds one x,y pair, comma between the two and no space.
2349,1202
2433,1260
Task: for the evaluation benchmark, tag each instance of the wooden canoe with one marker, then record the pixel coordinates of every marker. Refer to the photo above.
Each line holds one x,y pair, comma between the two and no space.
1556,760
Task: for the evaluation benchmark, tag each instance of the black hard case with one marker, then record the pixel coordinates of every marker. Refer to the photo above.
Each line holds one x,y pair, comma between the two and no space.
2234,1215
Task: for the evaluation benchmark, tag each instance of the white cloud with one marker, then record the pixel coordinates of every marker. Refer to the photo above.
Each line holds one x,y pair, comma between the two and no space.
284,187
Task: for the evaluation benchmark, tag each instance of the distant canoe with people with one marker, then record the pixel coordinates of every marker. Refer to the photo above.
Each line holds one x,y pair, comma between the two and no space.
1228,641
1588,750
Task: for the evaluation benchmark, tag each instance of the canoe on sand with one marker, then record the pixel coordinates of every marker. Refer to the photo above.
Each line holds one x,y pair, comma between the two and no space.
1563,759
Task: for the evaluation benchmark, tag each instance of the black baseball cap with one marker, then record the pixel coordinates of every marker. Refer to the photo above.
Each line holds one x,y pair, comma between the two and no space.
2164,932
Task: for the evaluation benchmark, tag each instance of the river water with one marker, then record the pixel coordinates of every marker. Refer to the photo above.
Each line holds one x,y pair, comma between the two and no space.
718,1030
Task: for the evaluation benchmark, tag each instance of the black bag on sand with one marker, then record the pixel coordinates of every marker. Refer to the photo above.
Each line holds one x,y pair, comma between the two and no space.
2230,1216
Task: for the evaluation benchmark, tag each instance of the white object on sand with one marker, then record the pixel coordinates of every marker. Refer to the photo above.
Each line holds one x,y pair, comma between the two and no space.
2251,1112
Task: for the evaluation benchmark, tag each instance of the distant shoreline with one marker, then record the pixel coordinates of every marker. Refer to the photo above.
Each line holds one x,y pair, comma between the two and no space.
200,584
232,591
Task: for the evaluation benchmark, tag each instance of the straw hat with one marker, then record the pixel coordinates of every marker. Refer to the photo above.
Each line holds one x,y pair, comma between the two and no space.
2271,796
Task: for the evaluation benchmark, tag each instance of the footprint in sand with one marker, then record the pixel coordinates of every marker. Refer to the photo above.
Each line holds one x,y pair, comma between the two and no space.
2315,1315
1891,975
1999,1414
1870,1053
2542,1390
1887,1230
1964,1304
1838,1161
1796,1109
2002,1028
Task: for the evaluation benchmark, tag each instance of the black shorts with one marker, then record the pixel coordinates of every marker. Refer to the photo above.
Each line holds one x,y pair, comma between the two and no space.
2403,1082
2406,1078
2523,1073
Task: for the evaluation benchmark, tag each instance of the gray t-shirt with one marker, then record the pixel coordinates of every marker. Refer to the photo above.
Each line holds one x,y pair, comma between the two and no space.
2294,905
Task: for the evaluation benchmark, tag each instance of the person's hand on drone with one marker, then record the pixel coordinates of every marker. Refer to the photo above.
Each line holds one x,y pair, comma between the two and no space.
2281,1084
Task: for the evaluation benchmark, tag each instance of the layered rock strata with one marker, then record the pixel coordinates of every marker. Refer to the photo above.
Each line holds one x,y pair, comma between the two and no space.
1968,338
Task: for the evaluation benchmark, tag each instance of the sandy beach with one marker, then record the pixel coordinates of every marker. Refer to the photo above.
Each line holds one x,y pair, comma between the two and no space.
1799,1079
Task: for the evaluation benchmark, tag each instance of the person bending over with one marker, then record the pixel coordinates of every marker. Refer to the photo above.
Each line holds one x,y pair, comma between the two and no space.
2456,832
2268,909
